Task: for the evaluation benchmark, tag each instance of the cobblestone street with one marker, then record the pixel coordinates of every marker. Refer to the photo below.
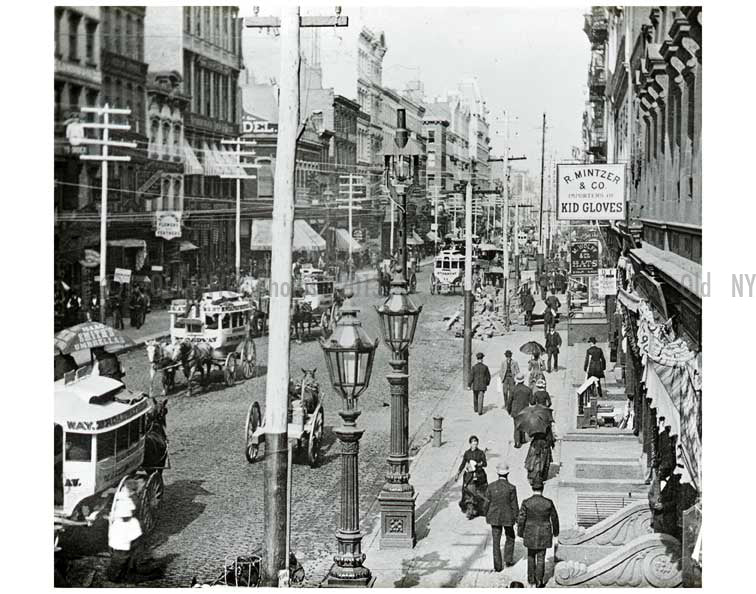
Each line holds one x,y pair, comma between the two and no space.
213,502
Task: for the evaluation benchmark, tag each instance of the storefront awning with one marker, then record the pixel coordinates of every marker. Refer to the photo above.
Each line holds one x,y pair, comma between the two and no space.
685,273
431,235
343,241
128,243
305,237
210,161
187,246
192,166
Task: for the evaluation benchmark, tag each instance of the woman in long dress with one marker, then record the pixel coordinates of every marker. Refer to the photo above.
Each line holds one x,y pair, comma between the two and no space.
536,369
538,461
474,480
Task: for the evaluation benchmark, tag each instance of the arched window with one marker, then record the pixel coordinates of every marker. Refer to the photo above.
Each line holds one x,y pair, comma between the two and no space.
154,133
166,150
177,140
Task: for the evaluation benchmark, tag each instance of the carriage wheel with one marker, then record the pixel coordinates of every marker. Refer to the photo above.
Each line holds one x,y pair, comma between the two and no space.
316,438
254,420
149,500
248,358
229,369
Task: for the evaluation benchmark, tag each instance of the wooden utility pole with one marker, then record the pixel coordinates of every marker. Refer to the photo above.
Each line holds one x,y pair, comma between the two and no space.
467,348
239,174
277,387
76,137
540,225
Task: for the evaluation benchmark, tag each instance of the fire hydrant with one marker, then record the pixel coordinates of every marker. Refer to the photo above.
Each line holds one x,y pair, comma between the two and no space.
437,427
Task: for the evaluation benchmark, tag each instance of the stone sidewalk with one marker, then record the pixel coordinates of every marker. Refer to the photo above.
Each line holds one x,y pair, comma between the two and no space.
452,551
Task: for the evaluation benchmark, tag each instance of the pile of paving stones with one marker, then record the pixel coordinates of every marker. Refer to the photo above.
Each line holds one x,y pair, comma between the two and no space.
488,319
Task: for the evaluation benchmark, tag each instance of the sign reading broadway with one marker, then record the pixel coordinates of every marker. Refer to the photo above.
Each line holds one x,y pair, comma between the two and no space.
591,192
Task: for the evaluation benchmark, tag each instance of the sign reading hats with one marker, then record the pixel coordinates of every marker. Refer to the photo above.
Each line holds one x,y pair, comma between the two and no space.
584,257
591,192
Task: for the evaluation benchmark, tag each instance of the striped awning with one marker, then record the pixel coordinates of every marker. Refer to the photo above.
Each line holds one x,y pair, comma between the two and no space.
305,237
192,166
210,160
343,241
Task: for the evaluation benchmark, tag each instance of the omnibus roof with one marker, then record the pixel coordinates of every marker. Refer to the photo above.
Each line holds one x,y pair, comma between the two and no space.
75,413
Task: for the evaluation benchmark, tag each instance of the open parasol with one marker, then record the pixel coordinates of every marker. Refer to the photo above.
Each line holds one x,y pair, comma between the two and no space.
534,419
530,348
89,335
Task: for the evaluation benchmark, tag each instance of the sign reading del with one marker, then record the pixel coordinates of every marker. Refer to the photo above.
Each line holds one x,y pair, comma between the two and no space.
168,224
591,192
584,257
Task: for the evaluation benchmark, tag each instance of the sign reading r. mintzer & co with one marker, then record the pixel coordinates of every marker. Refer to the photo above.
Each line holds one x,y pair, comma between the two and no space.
591,192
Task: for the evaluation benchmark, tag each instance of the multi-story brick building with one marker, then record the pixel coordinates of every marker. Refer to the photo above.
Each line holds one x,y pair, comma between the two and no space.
645,79
203,44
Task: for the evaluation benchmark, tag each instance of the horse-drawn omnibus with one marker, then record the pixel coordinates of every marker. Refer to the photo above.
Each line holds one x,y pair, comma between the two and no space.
216,331
108,442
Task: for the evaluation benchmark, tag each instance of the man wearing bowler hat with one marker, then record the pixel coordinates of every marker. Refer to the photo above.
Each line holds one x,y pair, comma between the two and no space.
501,512
480,377
537,526
508,371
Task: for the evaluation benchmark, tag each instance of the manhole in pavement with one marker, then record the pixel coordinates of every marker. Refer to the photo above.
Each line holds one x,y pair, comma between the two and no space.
630,472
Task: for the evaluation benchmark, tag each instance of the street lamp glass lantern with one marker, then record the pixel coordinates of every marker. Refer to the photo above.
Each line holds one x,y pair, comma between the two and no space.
398,316
349,354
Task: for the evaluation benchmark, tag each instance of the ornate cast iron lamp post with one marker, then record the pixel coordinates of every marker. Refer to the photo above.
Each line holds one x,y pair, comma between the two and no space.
349,354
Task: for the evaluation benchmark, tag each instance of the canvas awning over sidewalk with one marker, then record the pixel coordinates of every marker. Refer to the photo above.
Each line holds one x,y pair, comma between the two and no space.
343,241
305,237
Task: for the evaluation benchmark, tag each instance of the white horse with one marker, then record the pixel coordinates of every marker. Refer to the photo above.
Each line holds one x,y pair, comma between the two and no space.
162,358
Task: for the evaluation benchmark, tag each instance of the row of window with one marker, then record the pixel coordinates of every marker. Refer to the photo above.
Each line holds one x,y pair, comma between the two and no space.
118,93
215,24
123,32
213,94
109,444
75,37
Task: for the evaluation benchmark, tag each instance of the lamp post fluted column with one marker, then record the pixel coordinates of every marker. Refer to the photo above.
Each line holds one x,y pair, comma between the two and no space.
348,568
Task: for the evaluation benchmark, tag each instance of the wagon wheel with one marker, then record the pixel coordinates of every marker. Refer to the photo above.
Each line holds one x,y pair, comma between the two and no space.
248,358
254,420
229,369
316,437
149,499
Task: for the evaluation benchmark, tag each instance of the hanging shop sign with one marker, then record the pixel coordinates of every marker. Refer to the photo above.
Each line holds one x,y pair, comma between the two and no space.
584,257
122,275
168,224
607,278
591,192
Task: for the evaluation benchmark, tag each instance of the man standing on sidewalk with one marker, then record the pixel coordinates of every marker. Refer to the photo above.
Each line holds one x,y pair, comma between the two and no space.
521,396
537,525
528,305
508,371
553,342
502,510
480,377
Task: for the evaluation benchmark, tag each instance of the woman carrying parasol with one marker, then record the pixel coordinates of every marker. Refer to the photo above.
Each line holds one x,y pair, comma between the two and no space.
536,421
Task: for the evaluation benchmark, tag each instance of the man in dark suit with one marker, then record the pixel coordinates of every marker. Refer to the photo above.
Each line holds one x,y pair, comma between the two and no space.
537,525
595,364
521,396
508,371
501,512
552,301
480,377
553,342
528,305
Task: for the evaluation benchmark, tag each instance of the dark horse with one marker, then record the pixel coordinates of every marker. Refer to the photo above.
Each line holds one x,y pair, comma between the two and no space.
384,279
155,438
301,314
194,356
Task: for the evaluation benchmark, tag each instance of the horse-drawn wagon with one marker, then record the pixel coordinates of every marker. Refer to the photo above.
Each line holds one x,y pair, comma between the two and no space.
109,444
386,271
214,332
305,421
448,271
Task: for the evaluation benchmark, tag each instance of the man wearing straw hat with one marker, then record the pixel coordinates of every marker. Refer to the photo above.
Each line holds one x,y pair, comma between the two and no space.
501,512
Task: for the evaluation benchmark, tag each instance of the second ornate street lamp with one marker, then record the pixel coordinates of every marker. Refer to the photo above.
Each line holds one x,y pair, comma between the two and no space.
399,317
349,354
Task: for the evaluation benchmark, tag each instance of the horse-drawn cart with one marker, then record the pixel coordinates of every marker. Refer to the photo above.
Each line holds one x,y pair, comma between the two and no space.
305,422
109,446
448,271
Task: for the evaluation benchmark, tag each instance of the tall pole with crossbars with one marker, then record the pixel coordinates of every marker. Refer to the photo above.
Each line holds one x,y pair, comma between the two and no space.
76,137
